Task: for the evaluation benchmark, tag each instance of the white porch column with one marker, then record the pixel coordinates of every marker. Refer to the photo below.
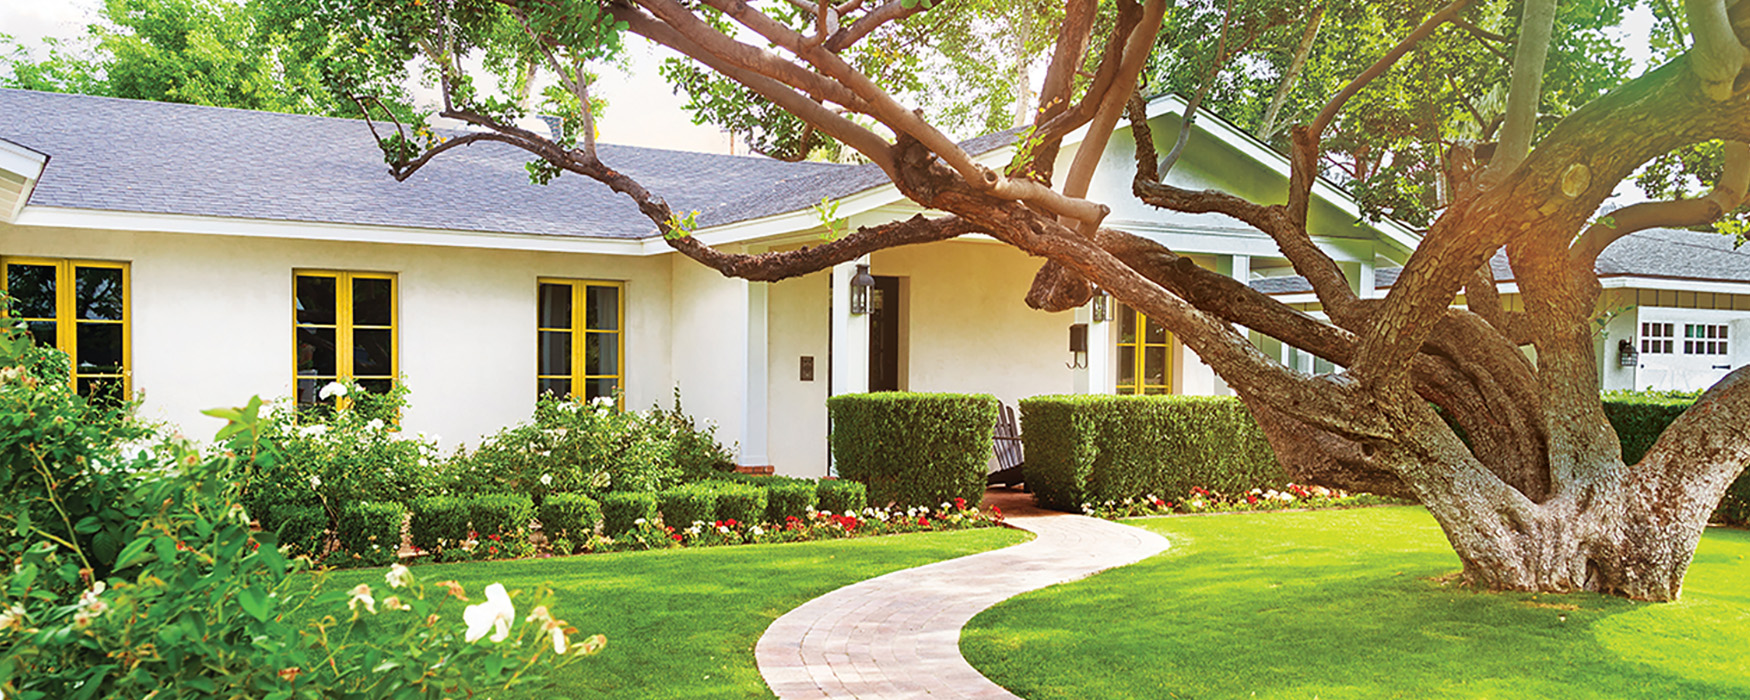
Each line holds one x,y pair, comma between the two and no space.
753,426
1361,279
850,335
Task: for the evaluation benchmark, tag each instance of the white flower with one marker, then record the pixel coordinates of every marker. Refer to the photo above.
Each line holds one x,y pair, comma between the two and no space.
398,575
755,531
13,616
493,615
315,481
311,431
331,390
946,505
602,401
558,639
850,514
639,521
361,595
375,424
546,479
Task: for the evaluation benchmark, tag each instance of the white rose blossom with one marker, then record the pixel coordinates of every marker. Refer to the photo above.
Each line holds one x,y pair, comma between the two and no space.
331,390
494,615
398,575
361,595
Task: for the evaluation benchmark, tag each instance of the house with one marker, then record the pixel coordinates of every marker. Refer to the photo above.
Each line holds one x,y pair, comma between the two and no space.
202,255
1674,313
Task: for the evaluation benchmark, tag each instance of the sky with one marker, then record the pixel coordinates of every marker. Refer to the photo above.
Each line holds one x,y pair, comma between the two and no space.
642,109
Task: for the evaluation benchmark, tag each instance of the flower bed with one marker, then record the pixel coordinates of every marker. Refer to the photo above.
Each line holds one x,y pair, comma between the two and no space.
815,525
1202,500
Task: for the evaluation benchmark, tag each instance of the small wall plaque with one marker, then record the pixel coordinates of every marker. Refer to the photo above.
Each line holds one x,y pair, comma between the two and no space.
808,368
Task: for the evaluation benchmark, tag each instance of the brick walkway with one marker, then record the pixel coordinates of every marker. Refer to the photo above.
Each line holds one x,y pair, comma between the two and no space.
898,636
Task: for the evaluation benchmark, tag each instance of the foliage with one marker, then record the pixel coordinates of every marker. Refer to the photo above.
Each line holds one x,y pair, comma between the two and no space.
913,449
1083,449
567,516
370,533
439,522
687,503
1202,500
841,496
208,52
740,502
145,577
1373,585
790,498
624,510
348,452
301,529
1639,418
692,449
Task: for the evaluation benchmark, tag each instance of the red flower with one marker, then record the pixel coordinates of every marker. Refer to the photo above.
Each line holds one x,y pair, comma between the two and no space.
494,538
923,521
996,512
676,537
730,522
960,504
1252,500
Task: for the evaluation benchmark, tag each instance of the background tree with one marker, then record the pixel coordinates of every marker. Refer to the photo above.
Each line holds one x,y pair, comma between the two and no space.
1538,498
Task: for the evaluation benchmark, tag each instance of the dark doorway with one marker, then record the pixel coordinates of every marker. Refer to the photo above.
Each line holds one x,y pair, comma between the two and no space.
884,321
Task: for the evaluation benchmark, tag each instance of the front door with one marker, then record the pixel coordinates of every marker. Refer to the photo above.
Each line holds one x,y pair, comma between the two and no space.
884,335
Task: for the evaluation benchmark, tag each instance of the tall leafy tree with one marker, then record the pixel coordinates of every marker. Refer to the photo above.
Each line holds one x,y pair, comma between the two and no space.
1536,496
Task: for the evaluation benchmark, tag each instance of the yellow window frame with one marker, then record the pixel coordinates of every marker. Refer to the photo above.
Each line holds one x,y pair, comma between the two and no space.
344,342
1139,361
579,376
67,325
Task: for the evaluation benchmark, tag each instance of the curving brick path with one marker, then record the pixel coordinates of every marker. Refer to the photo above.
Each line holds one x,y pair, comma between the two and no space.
897,636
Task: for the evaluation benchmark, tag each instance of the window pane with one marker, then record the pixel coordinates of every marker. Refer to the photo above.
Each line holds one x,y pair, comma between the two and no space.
100,348
555,306
601,353
316,300
604,309
373,302
104,391
1126,324
1126,366
555,353
1154,366
593,388
556,387
43,332
373,352
99,292
376,386
1157,334
32,288
310,388
316,352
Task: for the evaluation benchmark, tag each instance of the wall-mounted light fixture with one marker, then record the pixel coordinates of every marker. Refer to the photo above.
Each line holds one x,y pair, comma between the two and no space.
860,284
1626,355
1078,346
1102,306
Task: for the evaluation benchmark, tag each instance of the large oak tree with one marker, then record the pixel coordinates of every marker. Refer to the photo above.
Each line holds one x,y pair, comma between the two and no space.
1537,498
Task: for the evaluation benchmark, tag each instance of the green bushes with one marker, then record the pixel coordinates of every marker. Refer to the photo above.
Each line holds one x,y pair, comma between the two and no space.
621,510
1640,417
506,515
569,515
687,504
841,496
370,533
913,449
742,503
1083,449
789,498
438,522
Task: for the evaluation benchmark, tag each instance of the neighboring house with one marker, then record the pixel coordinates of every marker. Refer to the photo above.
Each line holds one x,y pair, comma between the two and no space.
202,255
1674,314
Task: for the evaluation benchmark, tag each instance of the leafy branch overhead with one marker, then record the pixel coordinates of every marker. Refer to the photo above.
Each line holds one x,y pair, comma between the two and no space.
1493,126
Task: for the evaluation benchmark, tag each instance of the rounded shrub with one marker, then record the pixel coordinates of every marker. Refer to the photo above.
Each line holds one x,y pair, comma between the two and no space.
686,504
839,496
569,516
504,514
914,449
370,532
303,529
621,510
790,498
743,503
438,522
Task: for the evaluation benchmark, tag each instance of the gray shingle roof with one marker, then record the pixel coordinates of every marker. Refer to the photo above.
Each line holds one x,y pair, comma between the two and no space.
151,157
1661,252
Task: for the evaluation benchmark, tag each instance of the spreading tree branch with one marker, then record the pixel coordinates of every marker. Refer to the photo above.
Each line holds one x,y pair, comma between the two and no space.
1525,92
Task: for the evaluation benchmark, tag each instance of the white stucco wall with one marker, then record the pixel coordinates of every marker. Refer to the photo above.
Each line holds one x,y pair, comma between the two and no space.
709,350
796,417
212,320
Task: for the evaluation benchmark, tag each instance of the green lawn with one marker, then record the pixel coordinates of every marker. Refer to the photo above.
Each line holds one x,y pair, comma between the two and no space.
1347,604
683,623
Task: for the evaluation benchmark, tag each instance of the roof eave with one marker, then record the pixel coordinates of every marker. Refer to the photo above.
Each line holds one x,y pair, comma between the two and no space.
20,169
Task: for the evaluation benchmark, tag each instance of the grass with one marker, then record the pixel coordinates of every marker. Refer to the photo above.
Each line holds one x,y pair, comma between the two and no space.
1351,604
683,623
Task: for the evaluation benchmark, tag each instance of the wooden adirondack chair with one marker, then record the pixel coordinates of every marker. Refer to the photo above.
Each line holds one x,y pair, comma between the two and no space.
1007,443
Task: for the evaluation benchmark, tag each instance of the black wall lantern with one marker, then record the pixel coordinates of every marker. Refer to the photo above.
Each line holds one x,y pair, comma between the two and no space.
860,284
1626,355
1078,346
1102,306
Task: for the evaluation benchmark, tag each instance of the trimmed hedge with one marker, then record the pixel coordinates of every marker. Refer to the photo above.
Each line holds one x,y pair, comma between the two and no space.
743,503
370,531
621,510
686,504
571,515
1090,449
913,449
840,496
303,528
791,498
504,514
438,522
1640,417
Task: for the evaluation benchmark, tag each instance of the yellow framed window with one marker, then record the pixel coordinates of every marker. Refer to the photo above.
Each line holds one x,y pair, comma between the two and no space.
580,343
344,323
81,307
1145,354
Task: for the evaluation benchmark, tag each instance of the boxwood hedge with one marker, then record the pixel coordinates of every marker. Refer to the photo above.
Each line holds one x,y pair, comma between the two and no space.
1639,419
913,449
